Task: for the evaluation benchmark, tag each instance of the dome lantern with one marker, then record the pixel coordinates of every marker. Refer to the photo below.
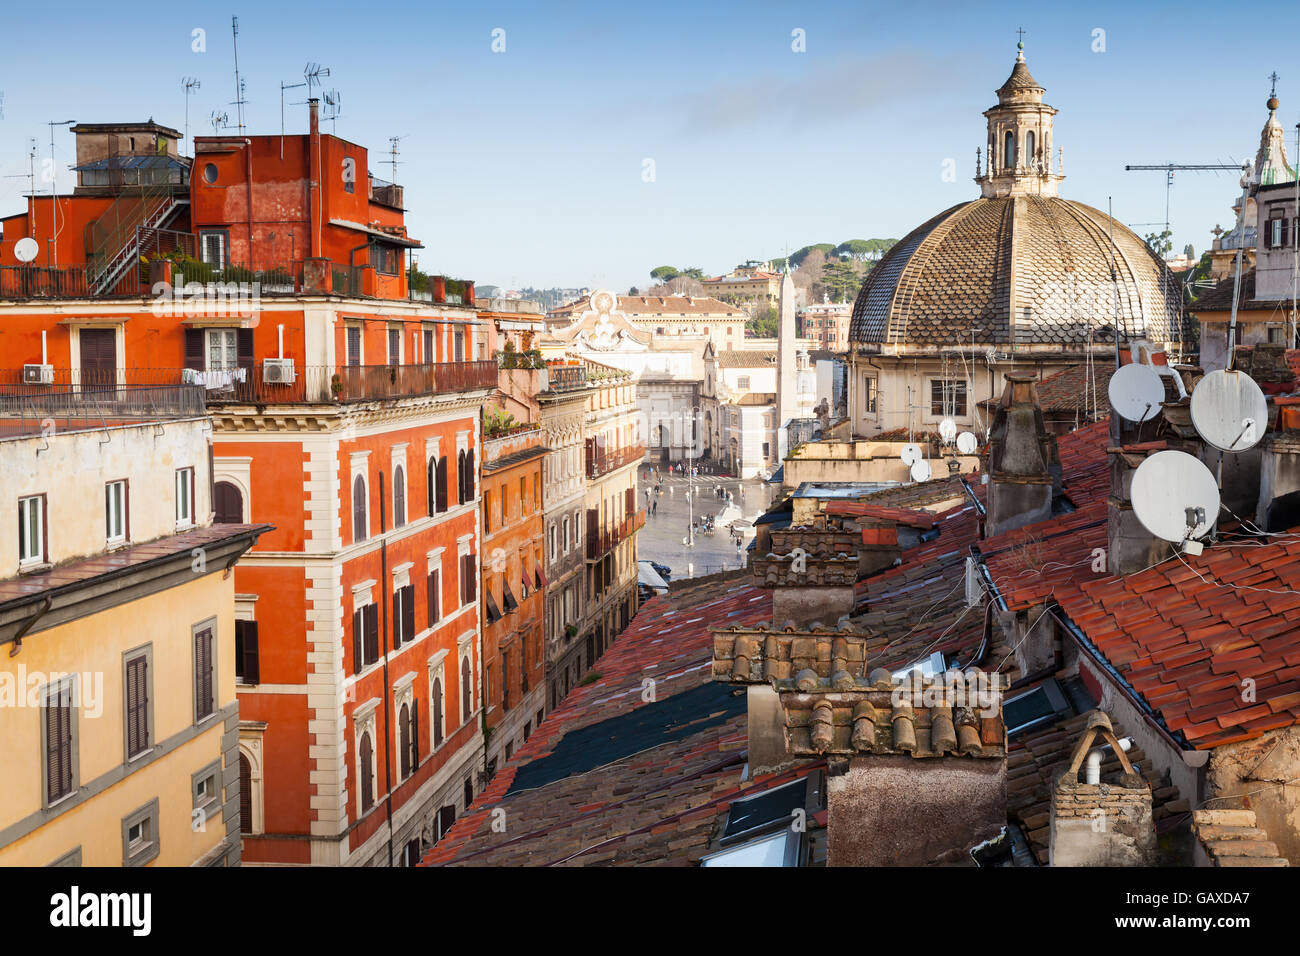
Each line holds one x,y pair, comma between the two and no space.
1019,138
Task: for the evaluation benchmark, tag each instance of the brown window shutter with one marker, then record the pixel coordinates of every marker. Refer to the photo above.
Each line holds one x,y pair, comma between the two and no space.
460,478
404,740
354,346
244,348
372,633
359,509
431,484
397,619
228,503
437,712
358,634
469,475
415,736
442,483
435,597
246,657
367,791
245,795
465,689
195,355
408,612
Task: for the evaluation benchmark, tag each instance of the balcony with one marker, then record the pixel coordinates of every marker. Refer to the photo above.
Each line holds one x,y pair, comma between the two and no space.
601,541
601,461
27,410
564,378
313,384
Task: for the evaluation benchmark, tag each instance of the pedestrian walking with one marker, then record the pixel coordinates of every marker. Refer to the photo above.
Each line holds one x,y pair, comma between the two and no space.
654,508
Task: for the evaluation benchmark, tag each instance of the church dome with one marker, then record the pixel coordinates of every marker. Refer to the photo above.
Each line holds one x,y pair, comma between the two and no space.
1018,267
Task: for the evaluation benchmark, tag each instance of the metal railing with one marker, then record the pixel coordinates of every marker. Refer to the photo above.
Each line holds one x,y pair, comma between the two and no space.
251,385
564,378
39,410
601,461
605,539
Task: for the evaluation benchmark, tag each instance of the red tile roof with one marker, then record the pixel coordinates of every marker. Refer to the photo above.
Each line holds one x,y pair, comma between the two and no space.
858,509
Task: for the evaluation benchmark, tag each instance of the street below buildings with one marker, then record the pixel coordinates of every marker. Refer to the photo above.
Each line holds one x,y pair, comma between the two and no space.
669,514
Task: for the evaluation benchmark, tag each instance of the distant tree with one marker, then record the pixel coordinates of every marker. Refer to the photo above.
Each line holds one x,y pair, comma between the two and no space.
764,323
1160,243
825,248
841,280
778,265
694,273
664,274
1189,252
633,291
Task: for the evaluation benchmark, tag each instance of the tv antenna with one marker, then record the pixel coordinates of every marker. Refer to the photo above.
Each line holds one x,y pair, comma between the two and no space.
285,86
189,84
239,83
1135,392
312,73
332,100
1229,410
392,152
1171,168
219,121
30,175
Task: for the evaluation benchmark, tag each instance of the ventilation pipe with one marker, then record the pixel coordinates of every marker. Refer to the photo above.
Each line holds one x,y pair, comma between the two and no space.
1095,757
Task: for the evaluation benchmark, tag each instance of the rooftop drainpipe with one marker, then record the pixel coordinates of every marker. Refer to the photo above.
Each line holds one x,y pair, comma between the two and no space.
313,178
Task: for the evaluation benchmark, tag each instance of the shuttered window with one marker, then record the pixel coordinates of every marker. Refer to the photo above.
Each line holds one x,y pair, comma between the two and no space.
366,752
245,795
228,503
460,478
359,524
404,740
466,691
435,597
468,579
137,705
441,490
57,719
98,356
394,346
399,496
403,616
469,475
354,345
437,711
246,658
371,615
204,702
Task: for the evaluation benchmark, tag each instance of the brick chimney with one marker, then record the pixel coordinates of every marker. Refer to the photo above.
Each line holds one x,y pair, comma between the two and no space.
1100,824
811,572
1024,468
917,772
313,173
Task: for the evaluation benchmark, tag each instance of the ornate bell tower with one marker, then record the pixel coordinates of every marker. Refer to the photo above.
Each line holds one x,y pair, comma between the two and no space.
1020,139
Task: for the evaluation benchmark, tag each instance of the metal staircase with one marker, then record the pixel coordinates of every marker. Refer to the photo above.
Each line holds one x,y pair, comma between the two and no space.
114,240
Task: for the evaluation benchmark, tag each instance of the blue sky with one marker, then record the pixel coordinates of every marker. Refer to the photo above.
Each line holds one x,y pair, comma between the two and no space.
525,167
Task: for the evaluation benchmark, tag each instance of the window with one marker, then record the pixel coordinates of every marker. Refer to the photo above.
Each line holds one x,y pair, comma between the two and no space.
31,530
212,246
359,524
384,259
246,663
227,503
403,616
440,488
468,579
204,671
408,744
550,540
140,835
184,497
435,596
137,694
115,521
221,349
365,751
487,510
767,449
209,173
742,381
1030,152
436,693
466,695
523,494
245,795
354,346
869,395
947,398
1276,228
365,637
565,537
394,346
1008,150
399,496
458,343
59,740
205,788
428,353
469,792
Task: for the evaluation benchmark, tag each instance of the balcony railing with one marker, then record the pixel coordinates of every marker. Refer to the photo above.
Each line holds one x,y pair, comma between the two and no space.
258,385
601,461
605,539
564,378
35,410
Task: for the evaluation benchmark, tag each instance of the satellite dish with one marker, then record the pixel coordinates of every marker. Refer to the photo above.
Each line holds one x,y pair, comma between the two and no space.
1135,392
25,249
1229,410
1175,496
921,471
967,443
911,454
947,429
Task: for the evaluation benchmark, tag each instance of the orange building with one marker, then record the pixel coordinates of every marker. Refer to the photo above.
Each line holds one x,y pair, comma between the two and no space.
345,389
514,688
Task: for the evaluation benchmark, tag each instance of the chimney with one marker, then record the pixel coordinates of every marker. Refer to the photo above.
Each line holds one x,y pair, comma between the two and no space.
811,572
1278,508
1095,823
1024,468
313,179
917,771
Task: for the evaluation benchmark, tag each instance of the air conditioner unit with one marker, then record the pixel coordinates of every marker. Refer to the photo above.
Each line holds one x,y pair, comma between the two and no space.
277,371
38,374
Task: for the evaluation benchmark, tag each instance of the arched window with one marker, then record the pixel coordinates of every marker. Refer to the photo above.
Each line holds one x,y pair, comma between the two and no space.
367,754
399,496
228,503
466,705
431,486
1009,150
1030,152
359,509
404,740
245,795
437,711
460,478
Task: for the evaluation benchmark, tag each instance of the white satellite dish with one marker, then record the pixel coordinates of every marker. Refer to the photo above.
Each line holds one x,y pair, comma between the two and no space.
911,454
921,471
1135,392
947,429
1229,410
967,443
1175,496
26,248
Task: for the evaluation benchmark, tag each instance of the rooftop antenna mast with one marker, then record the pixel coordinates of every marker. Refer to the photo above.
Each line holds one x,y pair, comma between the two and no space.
312,73
30,176
285,86
190,84
239,84
392,152
333,102
219,121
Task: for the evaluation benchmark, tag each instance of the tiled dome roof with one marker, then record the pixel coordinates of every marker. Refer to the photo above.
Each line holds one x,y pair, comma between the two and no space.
1022,271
